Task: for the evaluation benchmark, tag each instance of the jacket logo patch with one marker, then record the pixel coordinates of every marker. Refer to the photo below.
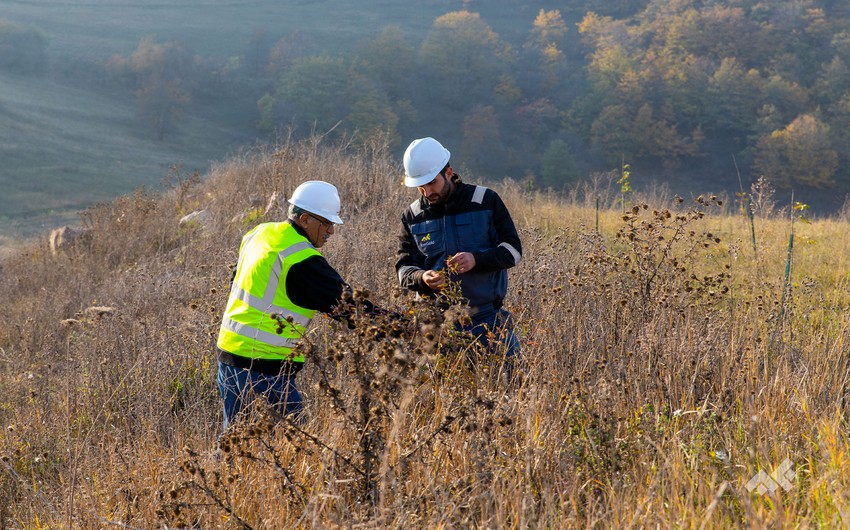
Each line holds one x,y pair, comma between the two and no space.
426,238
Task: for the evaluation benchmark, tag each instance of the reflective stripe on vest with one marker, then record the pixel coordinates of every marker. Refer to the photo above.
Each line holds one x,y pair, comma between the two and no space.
259,291
272,339
266,303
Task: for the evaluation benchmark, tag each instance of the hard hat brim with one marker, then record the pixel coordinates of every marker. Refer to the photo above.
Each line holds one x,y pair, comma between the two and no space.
415,182
335,219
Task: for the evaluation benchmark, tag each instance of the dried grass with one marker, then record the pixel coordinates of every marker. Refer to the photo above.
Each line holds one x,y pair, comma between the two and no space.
659,374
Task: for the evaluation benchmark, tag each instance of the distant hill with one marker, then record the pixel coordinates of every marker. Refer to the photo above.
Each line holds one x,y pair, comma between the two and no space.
64,148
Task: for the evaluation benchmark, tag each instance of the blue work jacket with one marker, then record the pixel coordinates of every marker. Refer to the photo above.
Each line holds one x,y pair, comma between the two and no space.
473,219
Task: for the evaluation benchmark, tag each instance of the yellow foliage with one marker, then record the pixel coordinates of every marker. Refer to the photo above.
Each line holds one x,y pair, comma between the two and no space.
799,154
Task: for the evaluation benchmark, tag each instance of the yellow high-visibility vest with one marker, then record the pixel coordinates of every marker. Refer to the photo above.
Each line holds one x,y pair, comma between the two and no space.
259,290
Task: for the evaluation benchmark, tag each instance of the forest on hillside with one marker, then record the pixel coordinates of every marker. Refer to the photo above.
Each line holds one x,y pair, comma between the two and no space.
695,93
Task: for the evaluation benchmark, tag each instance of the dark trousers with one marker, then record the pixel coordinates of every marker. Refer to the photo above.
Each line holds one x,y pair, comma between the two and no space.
238,387
494,329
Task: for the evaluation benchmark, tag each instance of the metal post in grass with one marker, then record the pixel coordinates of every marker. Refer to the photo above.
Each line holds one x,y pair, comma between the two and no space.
787,272
748,206
752,220
624,182
795,207
597,215
780,321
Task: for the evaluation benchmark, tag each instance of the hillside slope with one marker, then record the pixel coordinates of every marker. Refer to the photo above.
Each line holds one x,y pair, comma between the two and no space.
64,149
667,359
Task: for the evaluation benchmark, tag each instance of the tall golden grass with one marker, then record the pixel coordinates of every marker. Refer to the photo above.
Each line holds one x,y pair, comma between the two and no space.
663,368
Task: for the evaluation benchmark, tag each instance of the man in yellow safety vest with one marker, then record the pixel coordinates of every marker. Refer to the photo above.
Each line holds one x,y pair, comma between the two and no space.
281,281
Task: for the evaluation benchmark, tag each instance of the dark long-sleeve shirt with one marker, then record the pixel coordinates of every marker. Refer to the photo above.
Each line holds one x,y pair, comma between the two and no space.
314,284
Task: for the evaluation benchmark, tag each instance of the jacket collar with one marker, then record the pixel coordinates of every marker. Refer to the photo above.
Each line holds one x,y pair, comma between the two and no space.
298,229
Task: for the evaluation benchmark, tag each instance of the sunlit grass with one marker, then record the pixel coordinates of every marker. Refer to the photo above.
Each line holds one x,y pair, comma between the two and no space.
662,370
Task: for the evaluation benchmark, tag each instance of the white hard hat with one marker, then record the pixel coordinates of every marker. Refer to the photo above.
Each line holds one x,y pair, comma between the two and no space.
318,197
423,160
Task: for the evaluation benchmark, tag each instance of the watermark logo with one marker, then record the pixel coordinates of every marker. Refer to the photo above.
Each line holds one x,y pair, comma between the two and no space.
780,478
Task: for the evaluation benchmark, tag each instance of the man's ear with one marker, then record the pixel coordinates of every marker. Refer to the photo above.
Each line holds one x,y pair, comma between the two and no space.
451,175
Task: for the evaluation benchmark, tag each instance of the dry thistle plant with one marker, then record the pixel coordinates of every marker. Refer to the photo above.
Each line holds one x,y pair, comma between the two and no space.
370,377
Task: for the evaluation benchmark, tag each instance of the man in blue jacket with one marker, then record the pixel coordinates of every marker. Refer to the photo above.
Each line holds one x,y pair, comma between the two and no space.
461,232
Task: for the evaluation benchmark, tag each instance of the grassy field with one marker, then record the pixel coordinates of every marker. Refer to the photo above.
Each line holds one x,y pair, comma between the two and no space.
666,362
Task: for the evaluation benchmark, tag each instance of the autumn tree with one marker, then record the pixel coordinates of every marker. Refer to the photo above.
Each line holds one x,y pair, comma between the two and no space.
732,98
642,133
160,102
612,44
391,60
714,32
464,60
482,146
799,154
796,42
325,93
547,43
558,166
610,58
289,49
161,74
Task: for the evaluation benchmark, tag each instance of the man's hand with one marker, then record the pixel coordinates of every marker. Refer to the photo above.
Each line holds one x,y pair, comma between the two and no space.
436,280
462,262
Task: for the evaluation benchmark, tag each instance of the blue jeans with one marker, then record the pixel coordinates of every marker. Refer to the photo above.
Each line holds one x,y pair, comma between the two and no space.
238,387
494,329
